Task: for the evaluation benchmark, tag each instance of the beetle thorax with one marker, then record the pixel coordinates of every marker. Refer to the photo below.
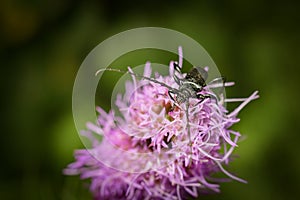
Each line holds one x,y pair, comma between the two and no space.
186,91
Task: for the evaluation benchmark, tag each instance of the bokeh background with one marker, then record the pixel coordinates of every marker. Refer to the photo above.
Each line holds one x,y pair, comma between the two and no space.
255,43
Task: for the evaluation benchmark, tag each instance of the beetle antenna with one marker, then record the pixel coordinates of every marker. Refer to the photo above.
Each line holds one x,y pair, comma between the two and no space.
136,75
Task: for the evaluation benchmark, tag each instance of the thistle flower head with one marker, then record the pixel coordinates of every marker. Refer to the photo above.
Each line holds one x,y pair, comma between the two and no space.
175,148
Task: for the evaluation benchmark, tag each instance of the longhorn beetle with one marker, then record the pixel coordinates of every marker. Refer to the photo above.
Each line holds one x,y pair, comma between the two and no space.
188,87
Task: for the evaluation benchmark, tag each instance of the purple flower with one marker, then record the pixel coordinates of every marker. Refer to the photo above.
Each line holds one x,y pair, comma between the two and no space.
155,151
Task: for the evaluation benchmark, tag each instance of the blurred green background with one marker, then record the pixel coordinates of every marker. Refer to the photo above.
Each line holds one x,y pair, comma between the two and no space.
254,43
